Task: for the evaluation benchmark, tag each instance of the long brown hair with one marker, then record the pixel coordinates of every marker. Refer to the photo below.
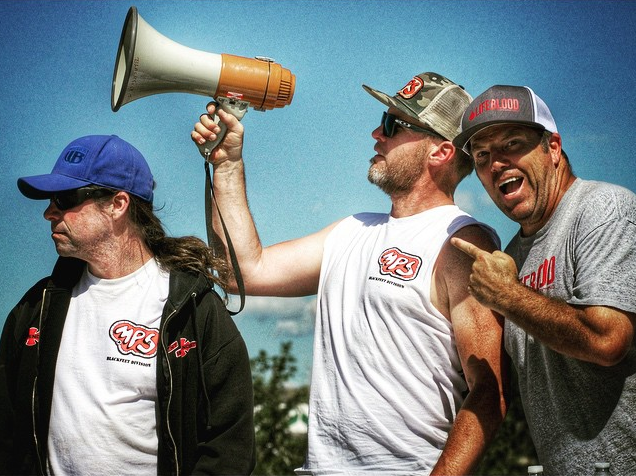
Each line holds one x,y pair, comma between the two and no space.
186,253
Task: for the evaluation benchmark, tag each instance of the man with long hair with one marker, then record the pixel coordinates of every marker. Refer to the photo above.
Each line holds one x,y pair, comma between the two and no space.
124,360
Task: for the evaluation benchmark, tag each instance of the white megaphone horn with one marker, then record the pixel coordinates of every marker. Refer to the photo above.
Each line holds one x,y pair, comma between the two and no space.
149,63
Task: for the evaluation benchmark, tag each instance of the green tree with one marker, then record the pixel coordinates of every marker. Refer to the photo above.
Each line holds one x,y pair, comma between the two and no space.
278,451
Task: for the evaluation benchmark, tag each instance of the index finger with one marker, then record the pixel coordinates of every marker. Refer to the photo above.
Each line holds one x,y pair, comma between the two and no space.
211,107
468,248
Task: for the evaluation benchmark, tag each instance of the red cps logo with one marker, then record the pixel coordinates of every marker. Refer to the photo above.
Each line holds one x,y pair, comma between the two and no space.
135,339
412,88
394,262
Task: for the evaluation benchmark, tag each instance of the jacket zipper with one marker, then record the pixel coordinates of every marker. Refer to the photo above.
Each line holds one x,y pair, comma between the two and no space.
34,391
165,351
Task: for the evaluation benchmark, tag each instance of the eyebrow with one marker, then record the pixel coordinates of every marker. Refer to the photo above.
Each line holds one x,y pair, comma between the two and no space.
508,132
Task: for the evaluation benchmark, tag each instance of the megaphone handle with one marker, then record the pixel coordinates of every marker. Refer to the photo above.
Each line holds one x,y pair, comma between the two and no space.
233,106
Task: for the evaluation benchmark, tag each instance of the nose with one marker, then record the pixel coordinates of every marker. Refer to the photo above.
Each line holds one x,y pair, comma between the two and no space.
51,212
378,134
498,160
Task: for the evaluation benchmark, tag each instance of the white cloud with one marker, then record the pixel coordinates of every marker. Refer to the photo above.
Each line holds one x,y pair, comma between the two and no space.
472,199
293,317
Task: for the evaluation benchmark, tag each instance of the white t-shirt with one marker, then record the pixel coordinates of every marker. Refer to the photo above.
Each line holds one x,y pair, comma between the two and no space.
387,380
103,410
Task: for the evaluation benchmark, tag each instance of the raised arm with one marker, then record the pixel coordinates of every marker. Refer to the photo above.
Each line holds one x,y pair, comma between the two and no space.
479,339
290,268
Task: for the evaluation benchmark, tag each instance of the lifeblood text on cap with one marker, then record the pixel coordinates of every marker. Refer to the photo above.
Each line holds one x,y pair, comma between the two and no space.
496,104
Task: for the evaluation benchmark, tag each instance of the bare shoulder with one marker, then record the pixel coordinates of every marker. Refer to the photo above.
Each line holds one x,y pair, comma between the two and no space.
451,260
453,267
477,235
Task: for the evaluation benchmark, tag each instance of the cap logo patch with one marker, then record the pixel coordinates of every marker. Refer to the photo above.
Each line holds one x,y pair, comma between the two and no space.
496,104
412,88
75,155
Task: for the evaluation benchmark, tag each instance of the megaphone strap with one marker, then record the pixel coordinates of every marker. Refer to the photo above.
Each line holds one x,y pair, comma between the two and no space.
209,198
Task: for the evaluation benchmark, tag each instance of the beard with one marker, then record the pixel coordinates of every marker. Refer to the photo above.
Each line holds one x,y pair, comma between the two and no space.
399,174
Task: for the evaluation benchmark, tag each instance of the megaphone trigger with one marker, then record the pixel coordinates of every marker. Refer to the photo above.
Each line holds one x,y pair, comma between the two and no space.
233,106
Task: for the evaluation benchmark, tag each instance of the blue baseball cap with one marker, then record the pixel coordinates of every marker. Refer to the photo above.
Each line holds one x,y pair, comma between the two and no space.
107,161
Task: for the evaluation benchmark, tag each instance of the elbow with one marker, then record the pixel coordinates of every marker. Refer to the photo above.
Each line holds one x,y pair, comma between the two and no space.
609,359
612,351
232,288
610,335
490,403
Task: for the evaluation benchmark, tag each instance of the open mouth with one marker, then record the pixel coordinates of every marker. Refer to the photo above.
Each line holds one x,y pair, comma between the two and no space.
511,185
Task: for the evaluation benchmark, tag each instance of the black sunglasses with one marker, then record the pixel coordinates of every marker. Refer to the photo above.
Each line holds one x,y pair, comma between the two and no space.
72,198
390,123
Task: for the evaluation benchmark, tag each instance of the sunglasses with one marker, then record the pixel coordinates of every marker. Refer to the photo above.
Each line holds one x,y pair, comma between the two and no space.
72,198
390,123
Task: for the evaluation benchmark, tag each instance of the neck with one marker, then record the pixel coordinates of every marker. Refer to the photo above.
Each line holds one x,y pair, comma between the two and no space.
119,258
561,186
419,200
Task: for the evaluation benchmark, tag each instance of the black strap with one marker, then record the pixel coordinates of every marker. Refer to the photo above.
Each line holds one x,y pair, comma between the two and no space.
209,198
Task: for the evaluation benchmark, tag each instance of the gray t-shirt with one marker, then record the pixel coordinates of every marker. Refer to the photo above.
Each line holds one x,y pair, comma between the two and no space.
580,413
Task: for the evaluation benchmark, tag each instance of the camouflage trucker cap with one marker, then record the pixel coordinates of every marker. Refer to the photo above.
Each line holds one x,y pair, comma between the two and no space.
432,100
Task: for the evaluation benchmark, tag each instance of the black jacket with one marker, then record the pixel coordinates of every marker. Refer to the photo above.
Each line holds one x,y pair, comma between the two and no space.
205,411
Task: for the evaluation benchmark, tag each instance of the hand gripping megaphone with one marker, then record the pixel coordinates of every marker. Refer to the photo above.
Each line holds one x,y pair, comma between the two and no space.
149,63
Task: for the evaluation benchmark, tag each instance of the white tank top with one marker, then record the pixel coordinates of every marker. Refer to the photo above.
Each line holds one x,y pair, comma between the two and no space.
386,378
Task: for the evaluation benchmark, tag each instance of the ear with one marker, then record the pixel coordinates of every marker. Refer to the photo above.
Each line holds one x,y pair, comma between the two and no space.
120,203
442,153
554,148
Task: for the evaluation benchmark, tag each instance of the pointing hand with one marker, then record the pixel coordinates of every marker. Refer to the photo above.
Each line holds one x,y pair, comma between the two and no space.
493,274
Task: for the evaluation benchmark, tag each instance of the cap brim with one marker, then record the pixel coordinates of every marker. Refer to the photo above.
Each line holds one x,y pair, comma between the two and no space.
41,187
389,101
462,139
380,96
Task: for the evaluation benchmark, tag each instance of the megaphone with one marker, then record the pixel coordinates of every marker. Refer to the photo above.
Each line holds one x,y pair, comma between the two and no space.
149,63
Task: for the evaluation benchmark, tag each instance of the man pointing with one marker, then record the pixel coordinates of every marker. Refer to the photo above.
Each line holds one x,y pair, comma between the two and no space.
564,284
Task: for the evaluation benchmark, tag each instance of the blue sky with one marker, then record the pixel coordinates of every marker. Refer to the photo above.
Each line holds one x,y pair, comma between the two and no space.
306,163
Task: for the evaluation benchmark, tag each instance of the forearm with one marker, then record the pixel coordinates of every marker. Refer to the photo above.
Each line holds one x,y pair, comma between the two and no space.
474,428
287,269
231,198
595,334
598,334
